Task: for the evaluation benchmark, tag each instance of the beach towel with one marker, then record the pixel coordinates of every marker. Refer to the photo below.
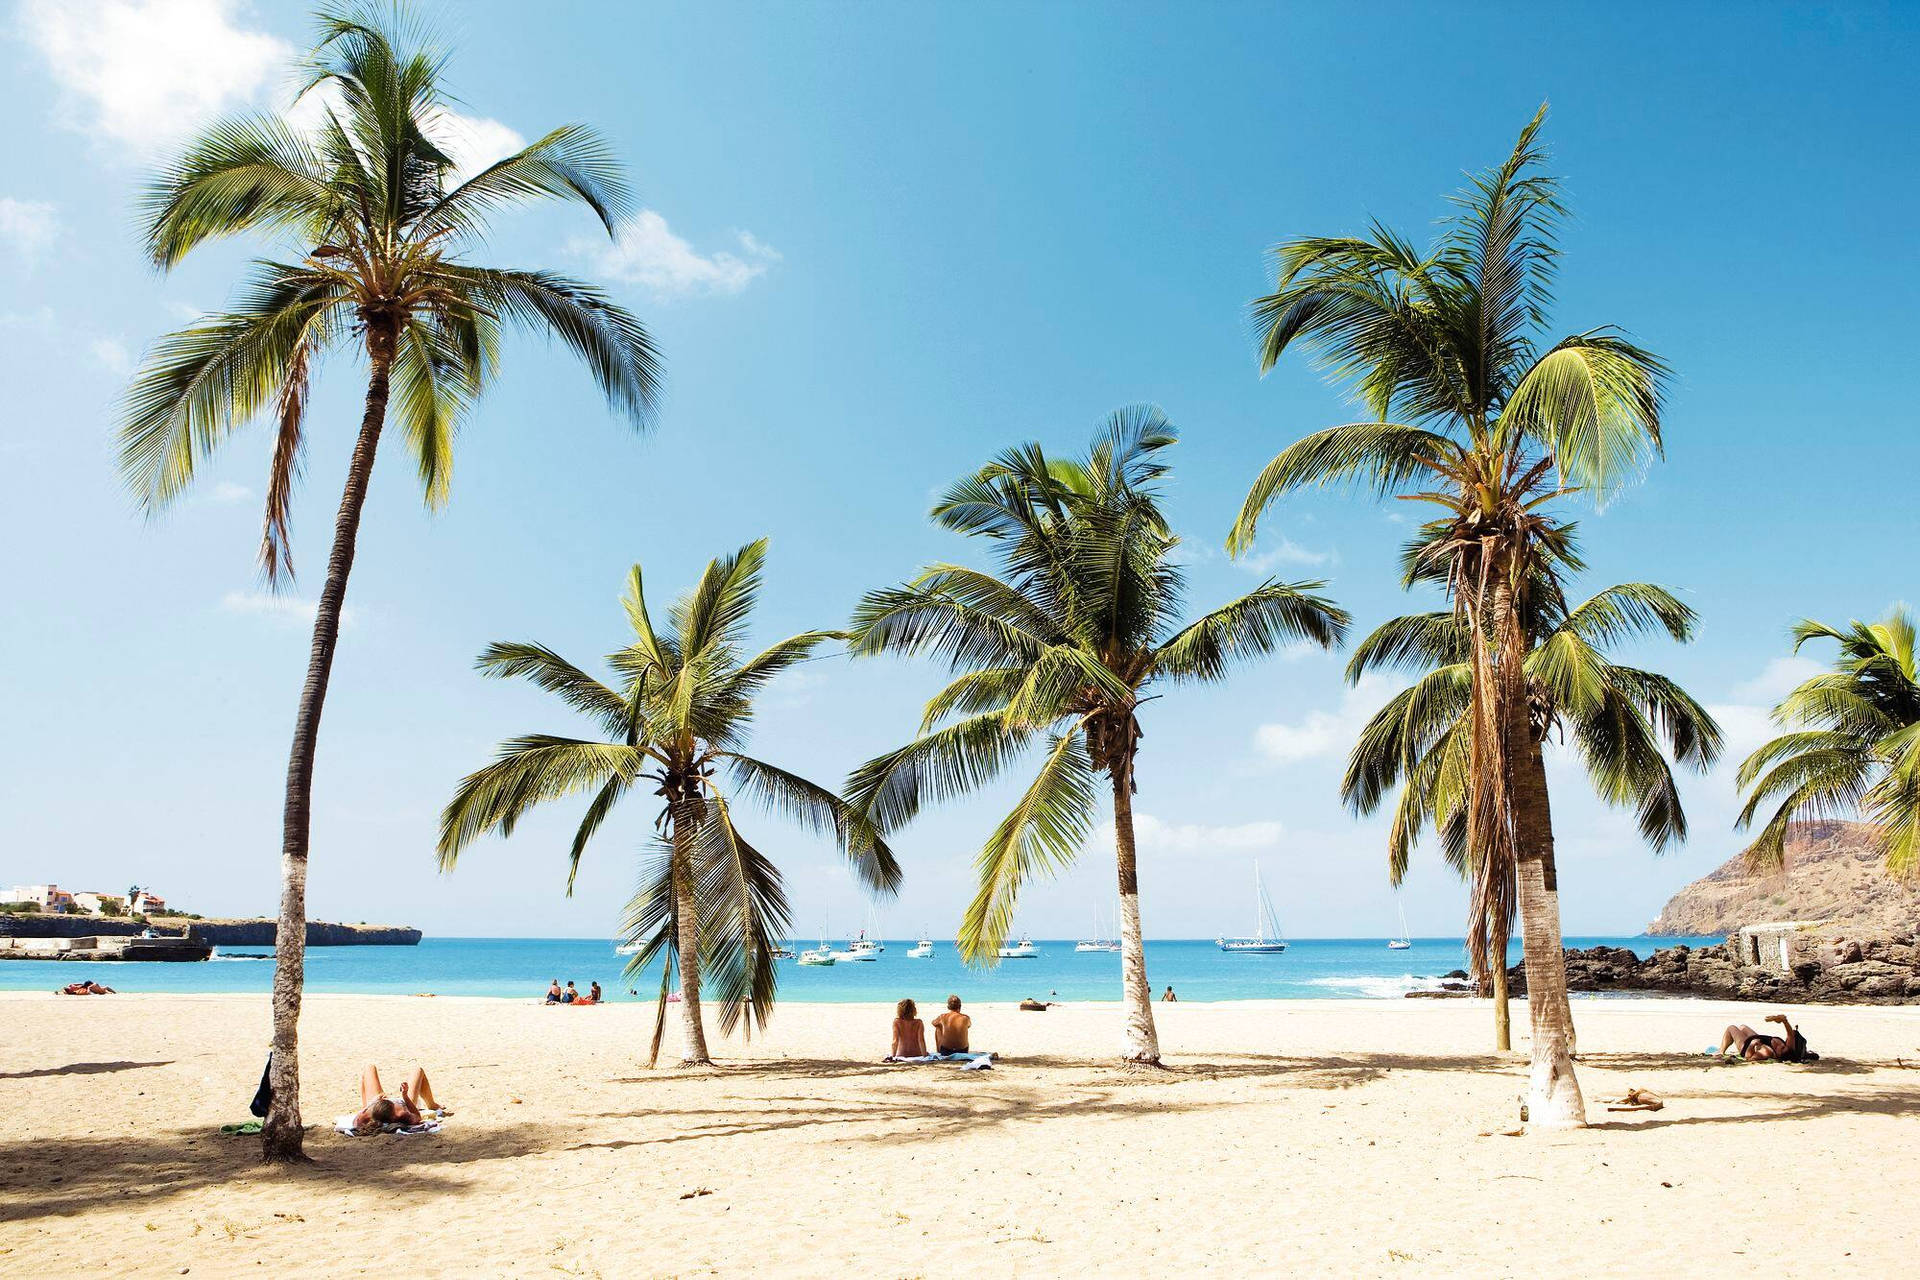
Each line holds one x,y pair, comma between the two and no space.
430,1123
965,1061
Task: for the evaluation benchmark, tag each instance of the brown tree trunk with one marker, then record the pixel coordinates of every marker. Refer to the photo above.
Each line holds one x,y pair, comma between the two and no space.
688,815
282,1135
1143,1042
1553,1096
1502,1012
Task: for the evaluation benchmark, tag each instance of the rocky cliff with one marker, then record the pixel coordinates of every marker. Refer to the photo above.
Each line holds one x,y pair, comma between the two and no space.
221,933
1820,968
1832,875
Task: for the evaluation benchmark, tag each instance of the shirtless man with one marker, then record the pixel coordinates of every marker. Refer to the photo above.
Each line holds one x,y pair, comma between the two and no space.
950,1029
1755,1047
377,1111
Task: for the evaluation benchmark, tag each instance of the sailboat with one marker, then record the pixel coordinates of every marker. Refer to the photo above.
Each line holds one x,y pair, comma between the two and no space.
1266,939
1100,941
822,954
1403,942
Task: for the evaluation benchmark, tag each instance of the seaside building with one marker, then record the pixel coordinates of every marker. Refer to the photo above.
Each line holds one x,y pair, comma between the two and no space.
145,902
99,904
48,897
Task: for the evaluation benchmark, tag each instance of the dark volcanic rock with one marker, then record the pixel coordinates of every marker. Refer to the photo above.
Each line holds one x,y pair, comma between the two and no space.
221,933
1886,972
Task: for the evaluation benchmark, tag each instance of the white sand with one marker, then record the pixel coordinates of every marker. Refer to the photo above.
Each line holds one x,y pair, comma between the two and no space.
1311,1137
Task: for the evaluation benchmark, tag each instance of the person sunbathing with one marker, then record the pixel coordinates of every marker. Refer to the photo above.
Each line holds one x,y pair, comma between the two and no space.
553,992
378,1111
593,995
909,1033
1757,1047
569,995
86,989
950,1029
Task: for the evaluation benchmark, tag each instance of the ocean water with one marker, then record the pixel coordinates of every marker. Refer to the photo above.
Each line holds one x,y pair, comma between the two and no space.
1197,970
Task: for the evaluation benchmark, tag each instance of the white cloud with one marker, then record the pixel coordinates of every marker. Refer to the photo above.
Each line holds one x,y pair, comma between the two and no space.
40,319
227,493
111,355
1153,835
284,610
27,228
141,73
649,254
1286,553
1778,679
1321,733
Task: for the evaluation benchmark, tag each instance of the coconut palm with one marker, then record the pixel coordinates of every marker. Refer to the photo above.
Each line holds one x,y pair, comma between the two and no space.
1473,410
378,229
675,717
1621,722
1858,750
1059,650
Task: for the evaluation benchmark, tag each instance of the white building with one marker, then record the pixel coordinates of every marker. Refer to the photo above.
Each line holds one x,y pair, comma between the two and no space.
48,897
96,904
146,902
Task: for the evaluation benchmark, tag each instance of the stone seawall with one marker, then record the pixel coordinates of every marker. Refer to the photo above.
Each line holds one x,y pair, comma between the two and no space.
1817,968
220,933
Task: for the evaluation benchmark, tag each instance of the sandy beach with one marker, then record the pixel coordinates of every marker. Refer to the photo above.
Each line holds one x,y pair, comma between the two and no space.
1319,1136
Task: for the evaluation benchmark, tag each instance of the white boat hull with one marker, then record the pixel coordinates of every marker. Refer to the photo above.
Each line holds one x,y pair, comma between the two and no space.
1399,946
1249,946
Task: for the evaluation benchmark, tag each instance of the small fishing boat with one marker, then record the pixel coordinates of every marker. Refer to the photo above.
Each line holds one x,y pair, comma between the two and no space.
822,954
864,948
1021,950
782,953
922,952
1266,939
627,948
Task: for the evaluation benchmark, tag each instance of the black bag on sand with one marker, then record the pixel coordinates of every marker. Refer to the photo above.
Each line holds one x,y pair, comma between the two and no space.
263,1096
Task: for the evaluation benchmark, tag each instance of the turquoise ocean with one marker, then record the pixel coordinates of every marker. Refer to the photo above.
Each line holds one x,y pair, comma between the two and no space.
1310,968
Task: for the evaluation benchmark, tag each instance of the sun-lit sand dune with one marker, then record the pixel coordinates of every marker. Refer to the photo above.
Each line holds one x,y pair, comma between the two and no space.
1304,1136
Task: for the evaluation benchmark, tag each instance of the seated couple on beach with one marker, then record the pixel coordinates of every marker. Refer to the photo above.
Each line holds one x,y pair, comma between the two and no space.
949,1036
1755,1047
85,989
416,1109
570,996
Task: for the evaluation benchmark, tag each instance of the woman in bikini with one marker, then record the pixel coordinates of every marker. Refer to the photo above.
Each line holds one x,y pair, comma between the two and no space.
1757,1047
378,1111
909,1033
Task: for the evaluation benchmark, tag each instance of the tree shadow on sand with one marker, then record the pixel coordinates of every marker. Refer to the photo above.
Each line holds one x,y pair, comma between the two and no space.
54,1175
80,1069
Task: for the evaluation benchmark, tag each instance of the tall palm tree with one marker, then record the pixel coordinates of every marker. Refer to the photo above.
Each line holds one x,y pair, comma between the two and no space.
379,229
1621,721
1474,411
679,714
1060,648
1859,749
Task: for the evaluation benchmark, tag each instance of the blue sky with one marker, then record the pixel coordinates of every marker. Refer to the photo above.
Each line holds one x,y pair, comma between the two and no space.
884,242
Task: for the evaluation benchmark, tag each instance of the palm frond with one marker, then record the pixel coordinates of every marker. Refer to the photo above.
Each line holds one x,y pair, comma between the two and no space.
812,806
1043,833
1273,614
1382,456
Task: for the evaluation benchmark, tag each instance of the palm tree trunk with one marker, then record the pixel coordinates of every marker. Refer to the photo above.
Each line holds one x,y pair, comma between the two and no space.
282,1135
688,815
1143,1042
1553,1096
1502,1013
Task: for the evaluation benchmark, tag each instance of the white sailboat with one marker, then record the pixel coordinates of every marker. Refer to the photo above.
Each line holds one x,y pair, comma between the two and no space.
1266,939
1403,942
1099,941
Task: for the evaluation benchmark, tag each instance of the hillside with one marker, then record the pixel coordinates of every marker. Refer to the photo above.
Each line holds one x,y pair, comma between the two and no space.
1833,874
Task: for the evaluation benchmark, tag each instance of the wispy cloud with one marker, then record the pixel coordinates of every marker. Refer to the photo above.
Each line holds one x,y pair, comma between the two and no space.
649,254
1283,554
111,354
1154,835
140,73
227,493
28,228
290,611
1320,733
1777,679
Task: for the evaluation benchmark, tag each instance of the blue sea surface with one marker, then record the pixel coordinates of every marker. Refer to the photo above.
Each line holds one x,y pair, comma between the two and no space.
1310,968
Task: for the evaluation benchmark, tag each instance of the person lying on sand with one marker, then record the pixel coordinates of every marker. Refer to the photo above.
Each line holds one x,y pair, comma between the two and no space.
1755,1047
1030,1005
378,1111
950,1029
86,989
553,992
909,1033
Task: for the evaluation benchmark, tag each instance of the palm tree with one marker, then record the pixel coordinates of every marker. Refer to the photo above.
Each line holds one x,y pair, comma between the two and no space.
380,237
1621,721
1859,749
1473,412
1060,649
682,707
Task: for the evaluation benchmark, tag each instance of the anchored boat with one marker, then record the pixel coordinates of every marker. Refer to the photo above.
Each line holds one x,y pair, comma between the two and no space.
1266,939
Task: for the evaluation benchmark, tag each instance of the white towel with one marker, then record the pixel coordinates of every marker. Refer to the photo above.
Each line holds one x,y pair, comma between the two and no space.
430,1124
